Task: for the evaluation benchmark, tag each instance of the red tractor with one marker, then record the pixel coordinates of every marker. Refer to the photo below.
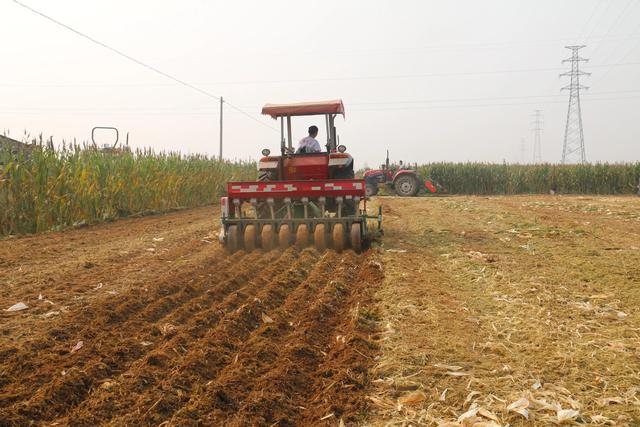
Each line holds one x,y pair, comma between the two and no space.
401,179
299,198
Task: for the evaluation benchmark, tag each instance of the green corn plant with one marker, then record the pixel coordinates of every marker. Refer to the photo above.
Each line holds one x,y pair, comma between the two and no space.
488,178
45,189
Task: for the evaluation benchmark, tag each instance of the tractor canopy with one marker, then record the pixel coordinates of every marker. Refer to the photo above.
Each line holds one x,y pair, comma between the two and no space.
304,108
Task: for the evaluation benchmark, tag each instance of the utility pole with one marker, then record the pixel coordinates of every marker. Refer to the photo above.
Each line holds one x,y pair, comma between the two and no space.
221,103
537,129
573,147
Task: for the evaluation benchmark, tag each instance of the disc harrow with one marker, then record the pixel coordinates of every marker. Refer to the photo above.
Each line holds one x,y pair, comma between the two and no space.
254,216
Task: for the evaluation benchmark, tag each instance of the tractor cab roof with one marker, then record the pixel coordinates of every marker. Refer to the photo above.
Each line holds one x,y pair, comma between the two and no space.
304,108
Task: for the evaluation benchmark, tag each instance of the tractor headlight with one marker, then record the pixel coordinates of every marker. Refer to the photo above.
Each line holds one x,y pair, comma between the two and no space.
266,152
342,148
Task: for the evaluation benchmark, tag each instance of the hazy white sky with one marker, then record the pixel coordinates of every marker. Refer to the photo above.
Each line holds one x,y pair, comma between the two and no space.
429,80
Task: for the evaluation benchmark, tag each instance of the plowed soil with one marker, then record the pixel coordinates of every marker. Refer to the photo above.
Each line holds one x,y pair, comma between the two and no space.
148,321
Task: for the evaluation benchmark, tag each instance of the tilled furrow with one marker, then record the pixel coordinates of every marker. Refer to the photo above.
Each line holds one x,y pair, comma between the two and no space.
71,277
210,355
109,350
176,341
282,390
269,380
257,352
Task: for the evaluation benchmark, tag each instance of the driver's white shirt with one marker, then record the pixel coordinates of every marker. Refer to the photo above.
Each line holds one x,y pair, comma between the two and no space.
309,142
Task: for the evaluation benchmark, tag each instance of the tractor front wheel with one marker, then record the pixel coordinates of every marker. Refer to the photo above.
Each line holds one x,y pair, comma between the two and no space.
406,185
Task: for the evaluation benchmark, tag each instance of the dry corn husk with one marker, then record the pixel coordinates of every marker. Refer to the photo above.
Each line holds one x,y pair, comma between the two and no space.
520,406
413,398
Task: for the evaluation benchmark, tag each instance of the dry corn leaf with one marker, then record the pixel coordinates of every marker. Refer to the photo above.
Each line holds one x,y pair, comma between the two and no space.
520,406
77,347
542,404
447,367
601,419
443,395
457,374
470,413
266,319
18,307
485,424
565,415
413,398
470,396
488,414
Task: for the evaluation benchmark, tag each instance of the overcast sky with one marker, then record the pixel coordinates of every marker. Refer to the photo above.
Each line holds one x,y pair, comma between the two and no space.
428,80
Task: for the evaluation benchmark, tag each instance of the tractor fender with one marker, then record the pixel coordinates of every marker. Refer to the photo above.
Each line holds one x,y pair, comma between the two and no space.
405,172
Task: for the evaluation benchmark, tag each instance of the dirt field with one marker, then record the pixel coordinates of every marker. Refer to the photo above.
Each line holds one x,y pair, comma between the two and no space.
474,310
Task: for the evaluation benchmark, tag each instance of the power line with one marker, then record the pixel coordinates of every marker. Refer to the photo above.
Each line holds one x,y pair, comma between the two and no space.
623,58
593,13
43,111
137,61
365,103
394,102
321,79
596,25
615,22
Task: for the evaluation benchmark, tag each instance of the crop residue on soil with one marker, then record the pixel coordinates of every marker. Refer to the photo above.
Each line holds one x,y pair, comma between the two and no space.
510,311
147,321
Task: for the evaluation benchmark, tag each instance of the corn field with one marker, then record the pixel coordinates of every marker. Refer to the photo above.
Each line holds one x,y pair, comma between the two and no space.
43,189
486,178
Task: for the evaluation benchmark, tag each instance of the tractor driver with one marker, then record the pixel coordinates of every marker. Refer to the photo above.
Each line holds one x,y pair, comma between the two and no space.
309,144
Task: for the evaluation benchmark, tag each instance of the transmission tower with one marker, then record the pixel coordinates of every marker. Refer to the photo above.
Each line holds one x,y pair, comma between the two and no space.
537,129
573,148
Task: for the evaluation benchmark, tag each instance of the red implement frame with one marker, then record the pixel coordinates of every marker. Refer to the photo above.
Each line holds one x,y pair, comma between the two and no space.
295,189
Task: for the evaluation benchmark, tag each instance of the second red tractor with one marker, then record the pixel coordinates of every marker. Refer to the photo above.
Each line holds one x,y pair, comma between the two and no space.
403,180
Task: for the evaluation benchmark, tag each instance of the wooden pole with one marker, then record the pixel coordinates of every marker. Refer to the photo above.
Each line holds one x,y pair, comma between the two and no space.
221,103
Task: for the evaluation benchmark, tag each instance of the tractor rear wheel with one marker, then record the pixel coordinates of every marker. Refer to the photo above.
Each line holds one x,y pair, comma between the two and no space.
249,237
338,237
320,237
233,239
406,185
284,236
356,238
371,189
302,236
267,236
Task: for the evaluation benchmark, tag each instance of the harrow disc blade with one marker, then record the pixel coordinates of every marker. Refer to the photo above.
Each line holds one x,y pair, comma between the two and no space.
249,237
338,237
356,237
302,236
233,239
284,236
320,237
267,237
